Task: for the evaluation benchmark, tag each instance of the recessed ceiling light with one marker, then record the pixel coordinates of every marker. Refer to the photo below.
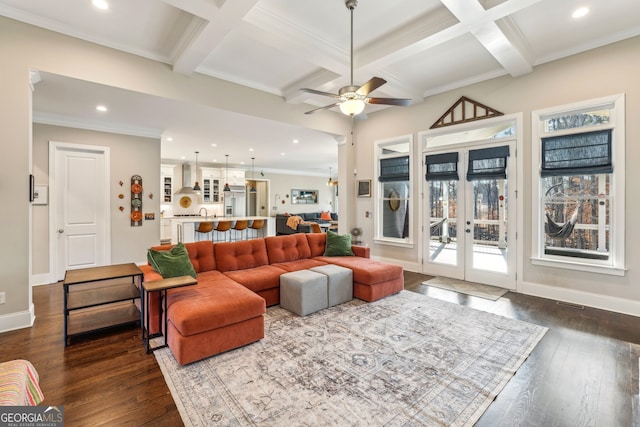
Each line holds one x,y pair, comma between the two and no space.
100,4
580,12
250,149
282,154
183,157
169,139
214,145
101,108
295,141
242,163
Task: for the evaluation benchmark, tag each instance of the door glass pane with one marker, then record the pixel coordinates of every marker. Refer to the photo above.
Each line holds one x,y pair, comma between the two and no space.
489,202
443,221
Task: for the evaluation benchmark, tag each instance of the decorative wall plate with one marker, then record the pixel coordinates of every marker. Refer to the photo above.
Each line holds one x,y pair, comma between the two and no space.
394,200
185,201
136,201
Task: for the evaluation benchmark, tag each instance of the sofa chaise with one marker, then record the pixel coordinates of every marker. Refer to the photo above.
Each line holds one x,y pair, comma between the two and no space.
238,280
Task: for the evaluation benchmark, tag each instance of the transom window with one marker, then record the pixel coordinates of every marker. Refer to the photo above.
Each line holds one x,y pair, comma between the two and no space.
579,176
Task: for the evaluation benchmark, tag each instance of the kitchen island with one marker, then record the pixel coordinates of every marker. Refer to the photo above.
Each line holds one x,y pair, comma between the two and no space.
183,228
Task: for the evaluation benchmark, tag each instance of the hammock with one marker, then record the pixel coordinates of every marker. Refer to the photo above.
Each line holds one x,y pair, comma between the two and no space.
556,231
435,225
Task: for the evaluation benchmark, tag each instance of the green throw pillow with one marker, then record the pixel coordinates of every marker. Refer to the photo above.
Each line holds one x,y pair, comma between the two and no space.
338,245
172,263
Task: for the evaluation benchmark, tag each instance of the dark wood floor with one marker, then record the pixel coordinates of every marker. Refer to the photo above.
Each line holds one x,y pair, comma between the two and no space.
584,372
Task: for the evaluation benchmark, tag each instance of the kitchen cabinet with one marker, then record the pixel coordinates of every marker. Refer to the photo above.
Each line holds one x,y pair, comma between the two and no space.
166,182
165,230
236,177
211,185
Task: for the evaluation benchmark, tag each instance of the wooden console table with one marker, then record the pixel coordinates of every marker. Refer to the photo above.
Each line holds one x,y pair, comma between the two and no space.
100,297
161,286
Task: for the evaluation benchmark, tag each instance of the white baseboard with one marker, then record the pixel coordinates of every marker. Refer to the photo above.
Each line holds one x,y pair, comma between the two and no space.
604,302
17,320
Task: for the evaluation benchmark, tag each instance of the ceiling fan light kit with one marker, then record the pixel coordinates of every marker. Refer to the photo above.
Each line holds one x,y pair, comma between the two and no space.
352,99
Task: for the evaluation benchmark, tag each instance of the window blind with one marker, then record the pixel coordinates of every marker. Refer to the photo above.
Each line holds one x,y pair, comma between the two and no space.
578,154
488,163
394,169
442,167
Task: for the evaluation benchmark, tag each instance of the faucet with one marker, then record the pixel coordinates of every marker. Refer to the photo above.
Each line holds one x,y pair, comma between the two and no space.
206,212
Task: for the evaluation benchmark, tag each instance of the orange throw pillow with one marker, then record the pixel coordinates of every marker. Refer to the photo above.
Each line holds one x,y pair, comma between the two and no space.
325,215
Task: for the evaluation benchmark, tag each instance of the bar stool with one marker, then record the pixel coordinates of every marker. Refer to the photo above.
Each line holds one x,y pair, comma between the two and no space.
240,226
258,225
204,228
222,227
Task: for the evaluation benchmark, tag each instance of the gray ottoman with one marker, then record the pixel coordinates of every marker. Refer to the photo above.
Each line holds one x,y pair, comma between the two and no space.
303,292
339,283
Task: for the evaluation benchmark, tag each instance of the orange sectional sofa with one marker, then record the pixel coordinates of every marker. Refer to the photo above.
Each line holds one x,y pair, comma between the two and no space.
238,280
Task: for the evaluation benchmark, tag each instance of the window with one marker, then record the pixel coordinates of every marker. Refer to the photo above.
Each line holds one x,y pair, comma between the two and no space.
579,176
394,190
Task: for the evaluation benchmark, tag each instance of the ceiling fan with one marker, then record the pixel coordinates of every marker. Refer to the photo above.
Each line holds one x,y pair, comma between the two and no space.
352,99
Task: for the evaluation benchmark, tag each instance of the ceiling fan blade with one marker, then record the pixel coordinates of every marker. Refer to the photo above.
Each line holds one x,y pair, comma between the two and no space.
326,107
389,101
319,92
370,86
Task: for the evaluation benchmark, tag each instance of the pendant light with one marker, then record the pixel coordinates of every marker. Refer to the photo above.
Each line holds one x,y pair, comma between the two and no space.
196,186
226,188
253,182
330,182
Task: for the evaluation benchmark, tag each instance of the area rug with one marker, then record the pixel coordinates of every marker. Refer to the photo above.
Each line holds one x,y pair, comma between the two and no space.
468,288
407,359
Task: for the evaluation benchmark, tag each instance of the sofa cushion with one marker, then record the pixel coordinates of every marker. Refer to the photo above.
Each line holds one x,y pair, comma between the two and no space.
171,263
325,216
299,264
365,270
338,244
212,305
287,248
200,254
257,279
232,256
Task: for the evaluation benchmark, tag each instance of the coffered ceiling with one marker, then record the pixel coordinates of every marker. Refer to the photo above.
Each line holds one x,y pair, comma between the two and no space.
421,47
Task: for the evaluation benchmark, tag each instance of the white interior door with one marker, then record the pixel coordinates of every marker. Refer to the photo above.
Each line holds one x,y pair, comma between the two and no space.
80,207
470,217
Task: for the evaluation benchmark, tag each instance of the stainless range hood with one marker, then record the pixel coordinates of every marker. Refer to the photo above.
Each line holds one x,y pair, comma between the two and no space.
187,183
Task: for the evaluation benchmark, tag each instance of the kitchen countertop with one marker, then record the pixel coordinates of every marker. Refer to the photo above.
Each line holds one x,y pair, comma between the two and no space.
183,219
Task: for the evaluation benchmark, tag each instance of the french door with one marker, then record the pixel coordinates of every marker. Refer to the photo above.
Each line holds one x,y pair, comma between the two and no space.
469,213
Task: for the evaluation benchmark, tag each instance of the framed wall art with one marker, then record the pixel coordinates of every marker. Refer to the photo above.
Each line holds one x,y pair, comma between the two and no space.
363,187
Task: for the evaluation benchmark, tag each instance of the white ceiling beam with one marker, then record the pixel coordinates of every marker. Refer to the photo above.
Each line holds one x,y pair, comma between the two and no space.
213,24
508,50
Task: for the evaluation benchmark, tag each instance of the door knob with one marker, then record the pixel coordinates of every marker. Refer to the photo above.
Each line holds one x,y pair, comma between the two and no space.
60,230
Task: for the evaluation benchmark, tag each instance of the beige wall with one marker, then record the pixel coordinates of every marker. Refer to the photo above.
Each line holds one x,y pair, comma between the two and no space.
605,71
24,47
602,72
130,155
